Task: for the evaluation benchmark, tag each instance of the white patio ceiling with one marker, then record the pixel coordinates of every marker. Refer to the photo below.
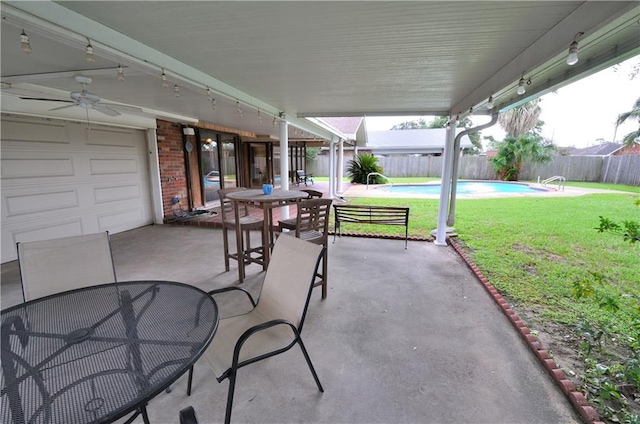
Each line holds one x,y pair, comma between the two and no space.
306,59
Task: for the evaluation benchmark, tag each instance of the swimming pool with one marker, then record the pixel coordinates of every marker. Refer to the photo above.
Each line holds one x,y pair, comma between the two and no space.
464,187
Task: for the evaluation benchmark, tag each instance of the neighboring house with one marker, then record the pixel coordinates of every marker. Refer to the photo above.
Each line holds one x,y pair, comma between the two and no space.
604,149
631,150
353,127
410,142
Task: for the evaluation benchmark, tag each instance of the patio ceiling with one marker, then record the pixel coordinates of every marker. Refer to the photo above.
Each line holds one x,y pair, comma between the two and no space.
305,59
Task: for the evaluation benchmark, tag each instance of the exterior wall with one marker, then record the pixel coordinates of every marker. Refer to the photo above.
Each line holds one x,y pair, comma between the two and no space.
173,174
635,150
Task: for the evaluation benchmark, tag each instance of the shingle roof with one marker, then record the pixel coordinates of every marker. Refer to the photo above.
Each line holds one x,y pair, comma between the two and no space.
411,141
347,125
603,149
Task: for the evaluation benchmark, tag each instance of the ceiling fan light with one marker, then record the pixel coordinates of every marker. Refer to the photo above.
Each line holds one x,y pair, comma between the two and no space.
89,53
521,90
25,44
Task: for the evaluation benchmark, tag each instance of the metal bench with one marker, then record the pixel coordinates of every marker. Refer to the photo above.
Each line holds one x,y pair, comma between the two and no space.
364,214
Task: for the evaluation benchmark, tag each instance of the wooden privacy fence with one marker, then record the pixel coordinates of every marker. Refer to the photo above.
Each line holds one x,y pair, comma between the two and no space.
608,169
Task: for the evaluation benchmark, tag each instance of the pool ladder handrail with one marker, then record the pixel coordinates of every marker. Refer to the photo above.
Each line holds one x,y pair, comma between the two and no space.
377,173
561,182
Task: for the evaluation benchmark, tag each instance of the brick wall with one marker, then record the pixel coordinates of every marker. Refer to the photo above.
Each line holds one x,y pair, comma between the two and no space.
173,177
634,150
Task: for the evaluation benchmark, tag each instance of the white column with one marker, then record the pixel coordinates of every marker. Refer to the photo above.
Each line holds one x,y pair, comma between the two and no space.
332,169
445,186
154,176
284,162
340,165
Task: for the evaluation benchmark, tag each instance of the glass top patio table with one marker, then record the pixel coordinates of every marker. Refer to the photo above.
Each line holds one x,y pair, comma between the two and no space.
96,354
268,202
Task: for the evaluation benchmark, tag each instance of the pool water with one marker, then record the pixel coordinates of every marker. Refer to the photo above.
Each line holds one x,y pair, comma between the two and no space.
464,187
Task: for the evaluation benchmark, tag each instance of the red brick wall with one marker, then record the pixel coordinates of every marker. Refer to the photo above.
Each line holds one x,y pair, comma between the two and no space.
635,150
173,177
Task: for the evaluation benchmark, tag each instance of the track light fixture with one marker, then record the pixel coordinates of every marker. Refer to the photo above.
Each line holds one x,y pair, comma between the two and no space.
490,102
209,94
275,122
120,73
213,103
572,59
25,44
176,90
89,53
238,108
165,83
259,117
521,90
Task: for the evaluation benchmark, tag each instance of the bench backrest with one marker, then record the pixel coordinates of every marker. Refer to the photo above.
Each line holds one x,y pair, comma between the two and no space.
390,215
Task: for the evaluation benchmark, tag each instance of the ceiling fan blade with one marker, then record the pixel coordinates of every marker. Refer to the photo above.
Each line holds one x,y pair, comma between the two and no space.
62,107
107,111
122,108
47,100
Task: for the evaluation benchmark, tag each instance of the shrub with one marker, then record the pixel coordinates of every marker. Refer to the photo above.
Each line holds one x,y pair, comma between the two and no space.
361,166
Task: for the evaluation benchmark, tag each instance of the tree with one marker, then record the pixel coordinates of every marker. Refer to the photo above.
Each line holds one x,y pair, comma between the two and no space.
521,119
513,151
633,114
419,124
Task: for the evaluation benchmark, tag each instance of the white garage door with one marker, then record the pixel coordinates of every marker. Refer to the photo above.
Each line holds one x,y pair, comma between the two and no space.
61,179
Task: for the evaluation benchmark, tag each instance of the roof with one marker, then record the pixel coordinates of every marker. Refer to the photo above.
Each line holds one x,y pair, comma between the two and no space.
604,149
410,141
347,125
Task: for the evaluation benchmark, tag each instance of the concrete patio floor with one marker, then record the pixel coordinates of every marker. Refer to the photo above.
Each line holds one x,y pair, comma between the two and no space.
405,336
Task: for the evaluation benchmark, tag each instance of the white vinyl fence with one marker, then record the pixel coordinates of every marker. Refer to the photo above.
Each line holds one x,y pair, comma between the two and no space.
609,169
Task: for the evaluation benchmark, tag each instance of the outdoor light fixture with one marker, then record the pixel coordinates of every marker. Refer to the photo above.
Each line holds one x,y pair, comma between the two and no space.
521,90
238,108
275,122
89,53
572,59
259,117
165,83
490,103
120,73
213,103
176,90
26,45
209,94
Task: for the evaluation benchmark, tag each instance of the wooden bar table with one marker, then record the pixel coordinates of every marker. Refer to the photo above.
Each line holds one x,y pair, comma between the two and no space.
267,202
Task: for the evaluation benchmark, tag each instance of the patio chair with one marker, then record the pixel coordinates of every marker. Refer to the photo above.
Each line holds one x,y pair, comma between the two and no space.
312,225
53,266
247,224
290,224
302,177
274,324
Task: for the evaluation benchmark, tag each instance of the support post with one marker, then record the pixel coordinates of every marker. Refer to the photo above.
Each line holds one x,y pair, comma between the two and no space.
284,162
340,166
445,185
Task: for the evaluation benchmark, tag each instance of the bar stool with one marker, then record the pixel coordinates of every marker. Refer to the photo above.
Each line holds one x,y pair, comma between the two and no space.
247,223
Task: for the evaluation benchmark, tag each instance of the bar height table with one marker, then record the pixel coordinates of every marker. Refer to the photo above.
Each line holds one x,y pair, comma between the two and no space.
96,354
267,202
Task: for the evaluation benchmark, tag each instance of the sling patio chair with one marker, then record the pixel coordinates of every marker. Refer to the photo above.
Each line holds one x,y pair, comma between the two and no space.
57,265
274,324
303,177
290,224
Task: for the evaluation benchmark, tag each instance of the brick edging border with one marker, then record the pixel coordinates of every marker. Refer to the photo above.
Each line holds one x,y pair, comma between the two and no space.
577,399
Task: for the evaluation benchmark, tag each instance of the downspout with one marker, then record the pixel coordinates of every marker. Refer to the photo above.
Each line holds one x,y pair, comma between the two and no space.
441,230
456,161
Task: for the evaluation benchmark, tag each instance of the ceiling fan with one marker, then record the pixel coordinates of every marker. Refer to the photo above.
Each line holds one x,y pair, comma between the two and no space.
87,100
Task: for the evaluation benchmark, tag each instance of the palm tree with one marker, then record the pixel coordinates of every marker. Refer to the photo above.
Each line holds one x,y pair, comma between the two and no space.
634,113
521,119
513,151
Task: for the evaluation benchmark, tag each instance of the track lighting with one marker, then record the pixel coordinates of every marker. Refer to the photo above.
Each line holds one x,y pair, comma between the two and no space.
490,103
89,53
275,122
259,117
572,59
176,90
521,90
120,73
238,108
25,44
213,103
209,94
165,83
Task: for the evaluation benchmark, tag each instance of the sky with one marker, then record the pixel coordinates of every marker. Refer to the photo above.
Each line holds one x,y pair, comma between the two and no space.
576,115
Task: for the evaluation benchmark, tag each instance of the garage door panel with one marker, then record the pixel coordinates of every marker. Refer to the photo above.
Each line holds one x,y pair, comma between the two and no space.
34,131
72,188
44,202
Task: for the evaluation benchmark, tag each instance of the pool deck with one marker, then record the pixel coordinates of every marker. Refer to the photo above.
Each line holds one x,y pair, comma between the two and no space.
361,190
